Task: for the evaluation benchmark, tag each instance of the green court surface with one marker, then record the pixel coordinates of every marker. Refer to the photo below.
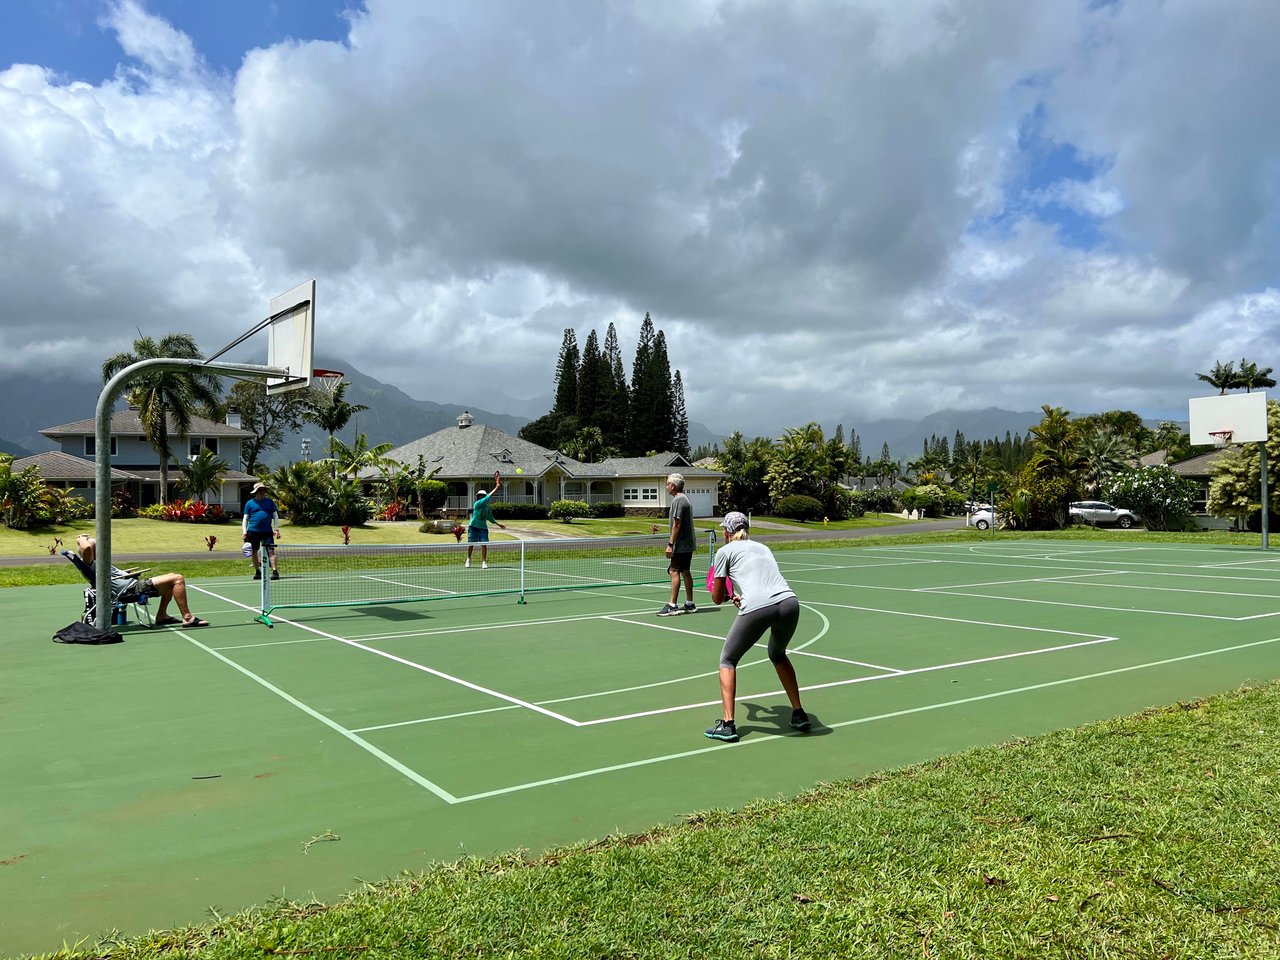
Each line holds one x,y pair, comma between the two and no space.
147,782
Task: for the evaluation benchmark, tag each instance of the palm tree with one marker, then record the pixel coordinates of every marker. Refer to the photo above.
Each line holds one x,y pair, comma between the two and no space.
1223,376
1104,454
349,461
202,473
1250,376
164,396
330,411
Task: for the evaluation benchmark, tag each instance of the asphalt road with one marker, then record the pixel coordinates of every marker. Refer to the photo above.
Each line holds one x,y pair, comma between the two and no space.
763,531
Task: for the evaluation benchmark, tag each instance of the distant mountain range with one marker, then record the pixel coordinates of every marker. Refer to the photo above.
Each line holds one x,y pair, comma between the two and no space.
16,449
29,403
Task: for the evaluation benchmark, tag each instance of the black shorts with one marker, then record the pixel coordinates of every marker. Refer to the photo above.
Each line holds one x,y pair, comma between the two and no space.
258,537
680,562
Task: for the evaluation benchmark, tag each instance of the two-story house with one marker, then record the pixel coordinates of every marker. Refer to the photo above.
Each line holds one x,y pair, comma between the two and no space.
135,465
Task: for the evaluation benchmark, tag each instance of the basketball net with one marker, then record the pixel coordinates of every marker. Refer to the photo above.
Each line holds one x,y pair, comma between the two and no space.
326,380
1221,438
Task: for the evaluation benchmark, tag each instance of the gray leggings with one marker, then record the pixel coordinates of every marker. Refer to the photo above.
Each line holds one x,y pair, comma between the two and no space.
779,618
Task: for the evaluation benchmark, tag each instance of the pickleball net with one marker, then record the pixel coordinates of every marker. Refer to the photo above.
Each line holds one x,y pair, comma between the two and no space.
347,576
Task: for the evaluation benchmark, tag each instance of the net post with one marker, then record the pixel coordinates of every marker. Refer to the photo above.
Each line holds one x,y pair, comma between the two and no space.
521,572
263,563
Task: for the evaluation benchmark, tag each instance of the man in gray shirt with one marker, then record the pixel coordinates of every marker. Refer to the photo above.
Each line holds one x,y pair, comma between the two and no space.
682,541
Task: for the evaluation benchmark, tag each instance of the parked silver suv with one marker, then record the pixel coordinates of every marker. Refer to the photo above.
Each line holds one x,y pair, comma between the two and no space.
1095,511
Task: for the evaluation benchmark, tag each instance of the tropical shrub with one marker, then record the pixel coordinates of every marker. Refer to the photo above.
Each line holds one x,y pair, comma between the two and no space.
21,495
395,510
60,506
850,504
185,511
797,506
1159,495
609,508
566,511
505,510
431,495
880,499
122,505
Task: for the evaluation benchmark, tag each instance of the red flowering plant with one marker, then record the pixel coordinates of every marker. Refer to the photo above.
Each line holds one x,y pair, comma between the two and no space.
211,540
457,532
346,536
191,511
394,510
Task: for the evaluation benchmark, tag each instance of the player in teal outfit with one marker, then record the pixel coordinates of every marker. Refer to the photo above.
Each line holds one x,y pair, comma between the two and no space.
478,526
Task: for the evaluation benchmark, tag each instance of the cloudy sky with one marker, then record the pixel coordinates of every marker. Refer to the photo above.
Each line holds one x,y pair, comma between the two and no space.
836,209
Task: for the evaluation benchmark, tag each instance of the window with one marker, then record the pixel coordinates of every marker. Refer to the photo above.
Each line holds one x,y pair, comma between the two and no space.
207,443
91,446
639,494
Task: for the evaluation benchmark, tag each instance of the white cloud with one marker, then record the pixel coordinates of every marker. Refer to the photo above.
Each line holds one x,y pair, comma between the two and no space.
833,188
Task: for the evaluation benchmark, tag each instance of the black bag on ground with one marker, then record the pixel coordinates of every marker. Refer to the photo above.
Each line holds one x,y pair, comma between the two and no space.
86,633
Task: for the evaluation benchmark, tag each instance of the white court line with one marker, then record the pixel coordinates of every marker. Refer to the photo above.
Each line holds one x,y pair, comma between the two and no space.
402,583
447,716
1094,606
853,680
610,693
856,663
696,752
362,743
927,708
945,592
409,663
1001,583
1059,558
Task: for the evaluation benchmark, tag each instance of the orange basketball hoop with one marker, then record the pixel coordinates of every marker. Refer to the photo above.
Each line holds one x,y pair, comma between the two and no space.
326,380
1221,438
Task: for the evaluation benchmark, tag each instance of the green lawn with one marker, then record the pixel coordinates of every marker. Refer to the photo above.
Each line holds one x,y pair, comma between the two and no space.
1150,836
159,536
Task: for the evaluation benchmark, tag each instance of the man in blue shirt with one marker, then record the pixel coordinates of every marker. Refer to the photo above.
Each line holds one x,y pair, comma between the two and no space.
478,527
260,523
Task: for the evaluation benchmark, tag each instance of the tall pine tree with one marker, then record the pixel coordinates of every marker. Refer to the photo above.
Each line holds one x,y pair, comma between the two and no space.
680,418
613,397
640,424
589,377
567,374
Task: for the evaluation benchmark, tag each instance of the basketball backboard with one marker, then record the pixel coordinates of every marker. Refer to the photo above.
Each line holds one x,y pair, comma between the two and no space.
290,337
1244,414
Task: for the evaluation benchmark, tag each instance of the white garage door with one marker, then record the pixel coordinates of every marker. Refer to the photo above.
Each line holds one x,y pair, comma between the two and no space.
701,496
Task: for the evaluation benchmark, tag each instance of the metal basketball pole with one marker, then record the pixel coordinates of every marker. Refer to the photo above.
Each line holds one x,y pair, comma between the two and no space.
1266,505
102,459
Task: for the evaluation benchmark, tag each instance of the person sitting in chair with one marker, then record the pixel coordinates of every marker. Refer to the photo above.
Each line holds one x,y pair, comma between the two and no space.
167,586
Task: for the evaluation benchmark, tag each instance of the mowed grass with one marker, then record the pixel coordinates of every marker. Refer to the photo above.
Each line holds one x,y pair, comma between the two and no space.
1151,836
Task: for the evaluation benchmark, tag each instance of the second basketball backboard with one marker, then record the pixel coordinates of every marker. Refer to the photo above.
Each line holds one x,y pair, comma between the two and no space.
1244,415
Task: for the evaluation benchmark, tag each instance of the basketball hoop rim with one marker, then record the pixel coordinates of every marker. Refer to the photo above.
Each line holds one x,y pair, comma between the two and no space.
1221,438
327,374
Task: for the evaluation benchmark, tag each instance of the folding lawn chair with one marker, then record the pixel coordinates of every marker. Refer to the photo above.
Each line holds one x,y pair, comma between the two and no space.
125,591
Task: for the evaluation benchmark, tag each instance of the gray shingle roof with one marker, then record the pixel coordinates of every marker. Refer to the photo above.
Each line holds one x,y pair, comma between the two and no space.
125,423
56,465
479,450
1197,466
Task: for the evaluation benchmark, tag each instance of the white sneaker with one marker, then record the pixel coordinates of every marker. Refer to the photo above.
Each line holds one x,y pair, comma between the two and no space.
484,565
468,563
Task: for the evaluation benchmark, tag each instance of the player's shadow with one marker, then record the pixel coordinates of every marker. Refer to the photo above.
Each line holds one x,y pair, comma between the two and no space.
775,720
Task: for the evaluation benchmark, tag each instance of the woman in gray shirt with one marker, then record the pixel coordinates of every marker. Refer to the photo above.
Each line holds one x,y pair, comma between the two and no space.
764,602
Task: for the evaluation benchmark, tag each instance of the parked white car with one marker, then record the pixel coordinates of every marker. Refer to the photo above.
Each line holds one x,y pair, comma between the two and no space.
982,519
1095,511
